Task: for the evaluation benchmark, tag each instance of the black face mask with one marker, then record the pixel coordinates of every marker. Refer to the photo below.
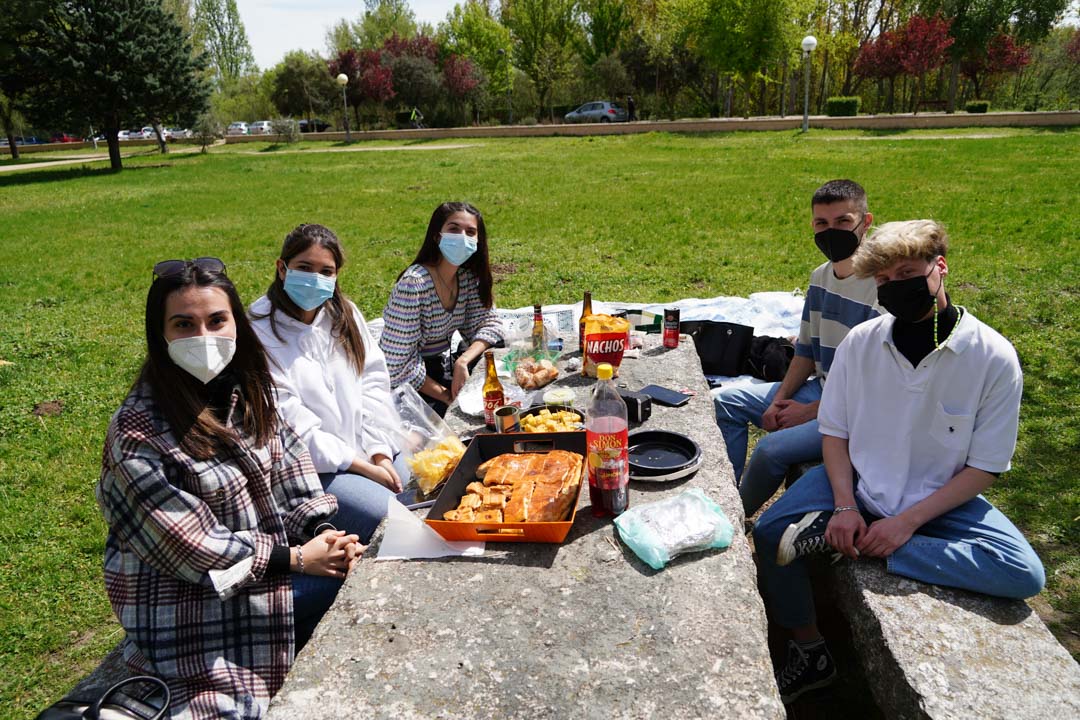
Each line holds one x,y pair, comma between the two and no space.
837,244
908,300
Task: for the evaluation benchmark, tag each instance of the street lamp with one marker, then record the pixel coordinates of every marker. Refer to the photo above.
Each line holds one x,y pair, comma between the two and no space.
509,86
808,44
343,80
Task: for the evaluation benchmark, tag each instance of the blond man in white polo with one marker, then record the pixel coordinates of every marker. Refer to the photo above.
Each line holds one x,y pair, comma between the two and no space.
918,418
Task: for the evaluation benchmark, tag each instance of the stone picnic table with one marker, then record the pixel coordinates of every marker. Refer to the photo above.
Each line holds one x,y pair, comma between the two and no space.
578,630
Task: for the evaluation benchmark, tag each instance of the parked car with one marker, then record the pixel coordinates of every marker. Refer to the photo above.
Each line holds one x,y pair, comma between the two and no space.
315,125
237,128
598,111
123,135
178,134
260,127
28,140
62,137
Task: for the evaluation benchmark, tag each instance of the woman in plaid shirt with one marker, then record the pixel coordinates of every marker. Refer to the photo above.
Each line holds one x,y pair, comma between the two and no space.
215,513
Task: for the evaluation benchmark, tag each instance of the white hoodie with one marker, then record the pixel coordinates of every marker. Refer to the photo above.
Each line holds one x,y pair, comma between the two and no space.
339,415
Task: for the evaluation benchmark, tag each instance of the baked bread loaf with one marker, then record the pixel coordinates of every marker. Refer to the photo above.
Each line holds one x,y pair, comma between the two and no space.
522,487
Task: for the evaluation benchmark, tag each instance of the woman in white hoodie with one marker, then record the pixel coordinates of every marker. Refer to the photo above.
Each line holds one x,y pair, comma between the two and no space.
330,376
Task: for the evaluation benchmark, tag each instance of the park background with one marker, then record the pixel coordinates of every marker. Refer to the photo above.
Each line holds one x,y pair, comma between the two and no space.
647,218
650,217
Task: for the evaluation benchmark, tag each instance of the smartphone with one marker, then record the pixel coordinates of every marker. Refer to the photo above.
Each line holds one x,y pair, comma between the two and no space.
665,396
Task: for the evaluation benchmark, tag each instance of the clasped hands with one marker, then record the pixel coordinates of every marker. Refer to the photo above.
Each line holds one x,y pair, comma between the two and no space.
786,414
848,534
331,553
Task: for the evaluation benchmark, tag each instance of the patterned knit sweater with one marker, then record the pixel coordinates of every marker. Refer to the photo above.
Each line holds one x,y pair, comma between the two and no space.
418,326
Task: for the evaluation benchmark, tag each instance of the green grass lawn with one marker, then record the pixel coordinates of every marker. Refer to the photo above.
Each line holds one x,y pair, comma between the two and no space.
638,218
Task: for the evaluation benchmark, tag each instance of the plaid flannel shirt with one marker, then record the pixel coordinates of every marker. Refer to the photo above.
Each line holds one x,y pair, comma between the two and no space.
186,556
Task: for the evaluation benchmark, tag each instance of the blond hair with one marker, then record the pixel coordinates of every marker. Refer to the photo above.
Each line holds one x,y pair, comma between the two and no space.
896,241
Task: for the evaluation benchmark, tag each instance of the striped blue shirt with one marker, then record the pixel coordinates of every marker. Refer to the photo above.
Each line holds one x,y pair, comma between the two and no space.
832,307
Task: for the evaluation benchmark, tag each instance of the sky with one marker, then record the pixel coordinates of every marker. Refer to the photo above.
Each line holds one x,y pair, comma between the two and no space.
274,27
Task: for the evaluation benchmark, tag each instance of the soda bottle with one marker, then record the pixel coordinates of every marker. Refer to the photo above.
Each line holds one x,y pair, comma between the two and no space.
493,390
538,331
606,445
586,311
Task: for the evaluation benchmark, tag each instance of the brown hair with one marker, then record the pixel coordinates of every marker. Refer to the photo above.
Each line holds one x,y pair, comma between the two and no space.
343,322
182,399
896,241
478,264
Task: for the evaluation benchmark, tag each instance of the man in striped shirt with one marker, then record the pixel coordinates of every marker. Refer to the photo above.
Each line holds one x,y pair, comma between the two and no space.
836,301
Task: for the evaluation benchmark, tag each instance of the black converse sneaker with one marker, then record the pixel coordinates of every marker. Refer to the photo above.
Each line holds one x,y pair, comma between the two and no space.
807,668
807,537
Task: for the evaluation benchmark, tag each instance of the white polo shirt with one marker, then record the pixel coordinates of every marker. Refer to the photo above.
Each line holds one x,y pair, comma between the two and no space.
912,429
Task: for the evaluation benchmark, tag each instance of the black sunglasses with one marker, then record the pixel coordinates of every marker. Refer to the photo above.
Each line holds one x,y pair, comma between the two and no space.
169,268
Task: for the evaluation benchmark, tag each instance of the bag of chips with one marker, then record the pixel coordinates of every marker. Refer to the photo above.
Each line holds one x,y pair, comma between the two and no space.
606,339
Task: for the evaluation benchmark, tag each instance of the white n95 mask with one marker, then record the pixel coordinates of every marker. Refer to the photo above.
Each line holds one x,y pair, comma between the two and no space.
204,356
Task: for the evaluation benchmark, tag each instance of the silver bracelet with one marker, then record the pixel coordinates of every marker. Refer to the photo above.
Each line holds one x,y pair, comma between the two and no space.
844,508
300,558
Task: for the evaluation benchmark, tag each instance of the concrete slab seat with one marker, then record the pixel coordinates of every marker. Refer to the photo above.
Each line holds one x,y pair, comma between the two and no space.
935,652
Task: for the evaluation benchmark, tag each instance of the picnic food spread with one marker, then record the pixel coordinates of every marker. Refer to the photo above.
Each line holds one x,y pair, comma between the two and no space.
432,466
524,487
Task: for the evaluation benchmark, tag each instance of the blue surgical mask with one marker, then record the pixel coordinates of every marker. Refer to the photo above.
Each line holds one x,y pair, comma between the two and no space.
308,290
457,248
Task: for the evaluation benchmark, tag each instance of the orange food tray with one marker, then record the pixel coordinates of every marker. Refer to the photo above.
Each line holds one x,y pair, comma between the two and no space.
483,448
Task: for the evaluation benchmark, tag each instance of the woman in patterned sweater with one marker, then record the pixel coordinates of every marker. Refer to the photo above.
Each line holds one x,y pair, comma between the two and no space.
215,513
447,288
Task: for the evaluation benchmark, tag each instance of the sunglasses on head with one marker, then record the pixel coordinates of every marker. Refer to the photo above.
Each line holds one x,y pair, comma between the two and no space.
169,268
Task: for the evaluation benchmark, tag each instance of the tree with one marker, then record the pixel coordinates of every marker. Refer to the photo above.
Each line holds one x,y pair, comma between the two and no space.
340,37
113,62
922,46
382,20
879,59
19,74
473,31
1002,55
605,22
543,33
302,86
219,32
976,22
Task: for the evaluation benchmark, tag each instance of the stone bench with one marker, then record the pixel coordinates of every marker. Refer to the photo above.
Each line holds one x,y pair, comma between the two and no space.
935,652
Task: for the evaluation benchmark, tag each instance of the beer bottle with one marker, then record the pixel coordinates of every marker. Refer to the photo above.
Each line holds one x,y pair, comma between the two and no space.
586,310
538,330
493,390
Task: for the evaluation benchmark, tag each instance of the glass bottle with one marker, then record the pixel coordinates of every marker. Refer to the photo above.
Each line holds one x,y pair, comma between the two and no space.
538,331
493,390
586,311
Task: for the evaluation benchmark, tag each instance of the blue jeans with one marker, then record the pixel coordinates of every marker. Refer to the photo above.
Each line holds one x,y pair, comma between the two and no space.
312,597
774,453
362,502
973,547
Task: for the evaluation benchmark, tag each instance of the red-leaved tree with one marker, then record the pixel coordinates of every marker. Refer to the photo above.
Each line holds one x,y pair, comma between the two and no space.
879,59
420,46
459,76
1002,55
1072,50
923,42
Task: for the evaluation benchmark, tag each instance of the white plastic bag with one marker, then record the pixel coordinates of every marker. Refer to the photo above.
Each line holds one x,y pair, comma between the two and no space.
662,530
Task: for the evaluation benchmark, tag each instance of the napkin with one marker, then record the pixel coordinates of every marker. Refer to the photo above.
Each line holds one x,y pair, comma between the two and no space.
408,537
